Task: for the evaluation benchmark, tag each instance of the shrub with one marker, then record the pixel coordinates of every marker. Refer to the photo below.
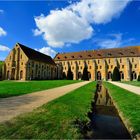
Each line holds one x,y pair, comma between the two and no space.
139,78
85,74
69,74
116,75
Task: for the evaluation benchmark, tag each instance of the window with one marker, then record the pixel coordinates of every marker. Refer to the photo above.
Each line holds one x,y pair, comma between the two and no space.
90,67
98,61
109,61
79,62
72,67
88,62
100,67
122,66
64,63
135,66
81,67
21,63
120,60
132,59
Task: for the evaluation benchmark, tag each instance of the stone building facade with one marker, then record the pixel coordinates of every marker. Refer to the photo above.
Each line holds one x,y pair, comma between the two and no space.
101,63
24,63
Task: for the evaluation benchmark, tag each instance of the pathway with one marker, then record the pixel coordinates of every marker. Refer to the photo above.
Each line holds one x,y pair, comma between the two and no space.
13,106
128,87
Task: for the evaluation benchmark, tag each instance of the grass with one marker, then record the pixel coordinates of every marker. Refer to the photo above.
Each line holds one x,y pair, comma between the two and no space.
134,83
8,89
128,103
54,120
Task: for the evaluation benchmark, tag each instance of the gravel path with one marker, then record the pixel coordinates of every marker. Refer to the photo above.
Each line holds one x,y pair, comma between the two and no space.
128,87
13,106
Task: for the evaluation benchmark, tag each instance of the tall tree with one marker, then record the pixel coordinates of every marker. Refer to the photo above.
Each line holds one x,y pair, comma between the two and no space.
69,74
116,75
85,74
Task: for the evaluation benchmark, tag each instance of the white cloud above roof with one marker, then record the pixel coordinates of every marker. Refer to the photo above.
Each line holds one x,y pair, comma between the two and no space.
76,22
47,51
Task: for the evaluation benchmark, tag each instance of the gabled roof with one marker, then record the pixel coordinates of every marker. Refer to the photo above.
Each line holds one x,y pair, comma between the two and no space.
132,51
35,55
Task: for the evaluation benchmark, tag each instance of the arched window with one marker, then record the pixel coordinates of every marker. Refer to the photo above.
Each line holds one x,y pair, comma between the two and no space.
121,75
21,75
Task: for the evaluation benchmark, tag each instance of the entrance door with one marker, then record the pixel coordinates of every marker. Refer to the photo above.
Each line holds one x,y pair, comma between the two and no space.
13,74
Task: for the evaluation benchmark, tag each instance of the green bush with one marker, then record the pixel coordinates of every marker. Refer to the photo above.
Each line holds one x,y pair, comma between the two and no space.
69,74
139,78
116,75
85,74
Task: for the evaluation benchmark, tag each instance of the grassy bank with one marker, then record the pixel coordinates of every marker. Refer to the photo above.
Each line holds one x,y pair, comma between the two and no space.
134,83
128,103
54,120
8,89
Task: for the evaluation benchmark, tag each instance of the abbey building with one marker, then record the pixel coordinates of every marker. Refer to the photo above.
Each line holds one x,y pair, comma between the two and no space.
101,63
24,63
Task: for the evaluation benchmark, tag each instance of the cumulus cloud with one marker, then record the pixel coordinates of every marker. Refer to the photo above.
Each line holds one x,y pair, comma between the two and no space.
2,32
63,26
47,51
4,48
75,22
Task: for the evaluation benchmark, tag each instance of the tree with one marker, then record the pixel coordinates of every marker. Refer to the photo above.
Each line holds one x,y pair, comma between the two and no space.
64,76
85,74
139,78
116,75
69,74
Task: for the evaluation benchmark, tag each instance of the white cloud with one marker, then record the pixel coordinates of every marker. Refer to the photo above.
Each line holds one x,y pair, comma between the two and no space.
1,11
113,41
47,51
63,26
4,48
2,32
99,11
73,23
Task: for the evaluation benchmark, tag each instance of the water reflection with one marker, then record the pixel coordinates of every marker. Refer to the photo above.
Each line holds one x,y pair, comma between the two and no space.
106,121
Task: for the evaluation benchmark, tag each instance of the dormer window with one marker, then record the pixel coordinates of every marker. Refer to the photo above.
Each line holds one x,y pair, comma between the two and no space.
132,52
80,56
99,54
72,56
65,57
58,57
89,55
120,53
109,54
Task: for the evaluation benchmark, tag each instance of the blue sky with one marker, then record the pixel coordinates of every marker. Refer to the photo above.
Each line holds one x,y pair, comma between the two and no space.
67,26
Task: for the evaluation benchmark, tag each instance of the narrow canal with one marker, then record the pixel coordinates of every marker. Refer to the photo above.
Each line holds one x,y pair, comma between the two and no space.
105,120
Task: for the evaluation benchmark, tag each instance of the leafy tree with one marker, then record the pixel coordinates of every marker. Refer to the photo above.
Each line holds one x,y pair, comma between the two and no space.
139,78
69,74
85,74
116,75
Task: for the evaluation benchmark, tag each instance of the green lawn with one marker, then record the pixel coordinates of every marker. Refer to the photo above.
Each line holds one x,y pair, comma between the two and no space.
128,103
8,88
134,83
54,120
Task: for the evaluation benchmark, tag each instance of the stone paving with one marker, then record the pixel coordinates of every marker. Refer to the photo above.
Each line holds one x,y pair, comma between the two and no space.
13,106
128,87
